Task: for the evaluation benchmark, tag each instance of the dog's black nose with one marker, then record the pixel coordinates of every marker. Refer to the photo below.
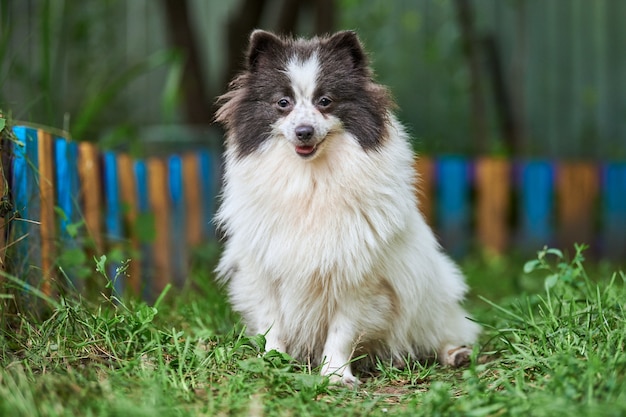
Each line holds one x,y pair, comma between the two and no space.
304,132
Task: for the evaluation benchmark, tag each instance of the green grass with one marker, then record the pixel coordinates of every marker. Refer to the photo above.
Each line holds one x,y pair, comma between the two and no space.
556,352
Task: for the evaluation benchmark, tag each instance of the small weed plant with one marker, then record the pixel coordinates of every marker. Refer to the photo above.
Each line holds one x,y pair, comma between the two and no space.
561,352
557,353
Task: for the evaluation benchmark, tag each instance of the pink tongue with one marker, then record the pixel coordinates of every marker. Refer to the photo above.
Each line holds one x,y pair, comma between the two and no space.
305,150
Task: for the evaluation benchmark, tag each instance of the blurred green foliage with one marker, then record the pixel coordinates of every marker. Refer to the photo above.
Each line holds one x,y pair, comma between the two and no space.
68,65
105,68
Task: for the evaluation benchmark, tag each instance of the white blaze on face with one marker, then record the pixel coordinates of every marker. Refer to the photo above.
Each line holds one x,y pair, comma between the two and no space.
303,75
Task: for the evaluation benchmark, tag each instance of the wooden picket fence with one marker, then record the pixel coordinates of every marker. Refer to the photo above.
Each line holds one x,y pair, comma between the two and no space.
71,197
522,205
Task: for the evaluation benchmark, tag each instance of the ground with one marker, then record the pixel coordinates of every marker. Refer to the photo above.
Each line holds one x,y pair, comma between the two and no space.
556,350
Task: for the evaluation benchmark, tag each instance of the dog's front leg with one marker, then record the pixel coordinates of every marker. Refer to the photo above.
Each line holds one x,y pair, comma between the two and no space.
338,350
273,340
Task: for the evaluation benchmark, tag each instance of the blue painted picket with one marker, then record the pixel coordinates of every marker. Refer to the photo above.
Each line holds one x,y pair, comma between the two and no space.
177,224
453,208
25,192
143,212
614,209
209,187
537,203
67,190
113,216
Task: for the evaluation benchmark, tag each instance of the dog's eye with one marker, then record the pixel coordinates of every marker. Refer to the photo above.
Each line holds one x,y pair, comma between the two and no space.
284,103
324,102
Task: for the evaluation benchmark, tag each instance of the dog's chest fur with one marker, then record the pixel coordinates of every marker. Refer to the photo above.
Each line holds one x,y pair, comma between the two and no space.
332,217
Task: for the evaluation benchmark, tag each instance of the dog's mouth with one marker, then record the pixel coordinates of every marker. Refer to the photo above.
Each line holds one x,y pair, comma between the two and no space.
307,151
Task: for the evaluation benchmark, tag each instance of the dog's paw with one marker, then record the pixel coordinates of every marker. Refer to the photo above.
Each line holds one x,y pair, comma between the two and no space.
340,376
457,357
274,343
349,381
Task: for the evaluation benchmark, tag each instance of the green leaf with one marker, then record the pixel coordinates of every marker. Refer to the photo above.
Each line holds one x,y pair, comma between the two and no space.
531,266
73,228
145,314
101,264
259,340
277,359
555,252
254,365
3,123
302,381
551,281
61,213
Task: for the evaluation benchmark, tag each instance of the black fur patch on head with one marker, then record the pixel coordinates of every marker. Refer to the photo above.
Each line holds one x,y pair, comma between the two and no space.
359,103
248,109
264,48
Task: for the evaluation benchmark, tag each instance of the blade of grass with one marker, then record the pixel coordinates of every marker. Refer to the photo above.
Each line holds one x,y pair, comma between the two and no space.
30,289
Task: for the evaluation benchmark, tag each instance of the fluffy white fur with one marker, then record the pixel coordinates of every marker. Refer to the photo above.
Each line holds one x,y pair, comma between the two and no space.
329,255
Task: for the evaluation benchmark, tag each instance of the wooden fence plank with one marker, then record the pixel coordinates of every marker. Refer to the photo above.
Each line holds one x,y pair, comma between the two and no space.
614,210
113,220
128,195
158,194
20,193
537,201
577,190
209,174
63,184
193,199
33,211
74,180
67,189
145,228
179,252
453,211
47,203
25,236
91,193
493,189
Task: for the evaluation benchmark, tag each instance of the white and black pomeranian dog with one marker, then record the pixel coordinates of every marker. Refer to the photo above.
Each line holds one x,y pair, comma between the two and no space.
326,252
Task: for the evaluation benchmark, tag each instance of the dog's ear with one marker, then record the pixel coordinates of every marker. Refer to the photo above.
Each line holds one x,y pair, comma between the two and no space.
261,42
348,42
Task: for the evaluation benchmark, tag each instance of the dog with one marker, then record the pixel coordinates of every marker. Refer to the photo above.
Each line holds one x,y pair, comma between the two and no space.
325,251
